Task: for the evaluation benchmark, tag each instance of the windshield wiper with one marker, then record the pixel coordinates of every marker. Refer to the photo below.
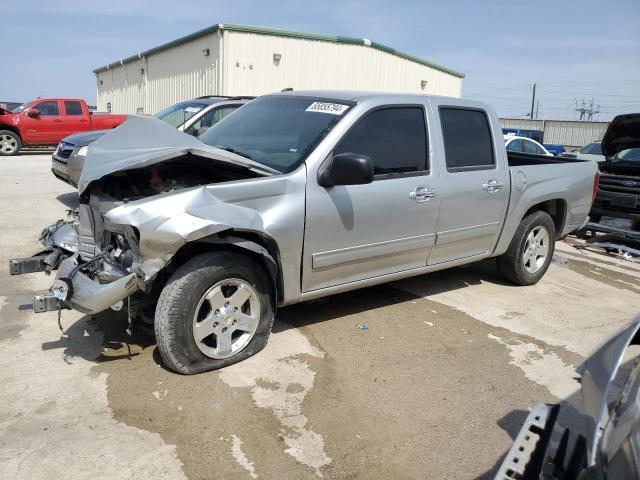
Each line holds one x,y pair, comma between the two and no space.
233,150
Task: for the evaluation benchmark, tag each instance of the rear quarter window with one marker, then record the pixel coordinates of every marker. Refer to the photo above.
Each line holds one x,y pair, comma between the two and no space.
467,139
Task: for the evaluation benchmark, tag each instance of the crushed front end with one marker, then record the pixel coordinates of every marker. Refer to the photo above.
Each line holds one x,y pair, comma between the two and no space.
95,267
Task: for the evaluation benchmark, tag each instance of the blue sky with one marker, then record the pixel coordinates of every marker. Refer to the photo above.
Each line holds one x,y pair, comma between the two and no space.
571,49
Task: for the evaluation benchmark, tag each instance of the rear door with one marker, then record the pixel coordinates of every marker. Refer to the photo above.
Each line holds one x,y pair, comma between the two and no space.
75,119
356,232
474,187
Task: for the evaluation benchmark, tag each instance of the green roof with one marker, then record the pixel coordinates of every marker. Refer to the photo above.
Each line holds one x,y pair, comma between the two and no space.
278,33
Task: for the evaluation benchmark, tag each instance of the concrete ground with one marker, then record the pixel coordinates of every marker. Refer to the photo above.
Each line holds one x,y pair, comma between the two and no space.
435,386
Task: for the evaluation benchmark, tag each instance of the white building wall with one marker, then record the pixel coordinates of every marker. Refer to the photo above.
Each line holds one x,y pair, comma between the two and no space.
250,68
154,82
245,66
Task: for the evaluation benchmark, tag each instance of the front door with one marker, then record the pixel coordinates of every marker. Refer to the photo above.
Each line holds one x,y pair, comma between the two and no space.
475,188
45,128
357,232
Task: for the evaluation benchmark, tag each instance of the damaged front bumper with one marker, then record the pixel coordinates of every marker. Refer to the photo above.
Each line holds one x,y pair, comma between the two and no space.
87,285
76,290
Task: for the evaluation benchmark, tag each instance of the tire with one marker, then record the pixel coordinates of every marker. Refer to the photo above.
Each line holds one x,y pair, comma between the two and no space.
10,143
525,265
182,310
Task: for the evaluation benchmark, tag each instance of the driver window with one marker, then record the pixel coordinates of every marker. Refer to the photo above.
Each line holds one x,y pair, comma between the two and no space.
47,108
394,138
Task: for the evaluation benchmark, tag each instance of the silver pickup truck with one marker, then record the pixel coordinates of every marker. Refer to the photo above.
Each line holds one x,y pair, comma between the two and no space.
296,196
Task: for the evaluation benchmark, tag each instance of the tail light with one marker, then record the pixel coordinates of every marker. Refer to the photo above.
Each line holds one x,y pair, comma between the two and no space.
596,181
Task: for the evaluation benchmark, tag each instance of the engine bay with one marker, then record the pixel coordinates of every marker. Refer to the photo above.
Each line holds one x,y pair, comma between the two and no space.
175,174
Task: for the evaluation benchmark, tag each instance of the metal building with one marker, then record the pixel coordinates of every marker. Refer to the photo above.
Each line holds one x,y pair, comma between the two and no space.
239,60
570,133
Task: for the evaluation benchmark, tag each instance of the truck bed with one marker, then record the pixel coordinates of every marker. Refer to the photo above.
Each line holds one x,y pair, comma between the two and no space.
517,159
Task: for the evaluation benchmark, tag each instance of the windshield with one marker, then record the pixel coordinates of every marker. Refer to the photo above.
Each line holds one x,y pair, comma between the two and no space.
177,114
22,107
631,155
278,131
592,149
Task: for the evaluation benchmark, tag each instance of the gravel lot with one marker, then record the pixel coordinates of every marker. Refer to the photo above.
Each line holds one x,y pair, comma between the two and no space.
435,387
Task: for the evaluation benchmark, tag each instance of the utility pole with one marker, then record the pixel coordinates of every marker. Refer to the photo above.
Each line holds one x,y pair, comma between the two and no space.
587,111
533,100
537,107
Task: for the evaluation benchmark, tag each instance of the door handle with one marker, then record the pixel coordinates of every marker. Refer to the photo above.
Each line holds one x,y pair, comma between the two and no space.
492,186
422,194
57,120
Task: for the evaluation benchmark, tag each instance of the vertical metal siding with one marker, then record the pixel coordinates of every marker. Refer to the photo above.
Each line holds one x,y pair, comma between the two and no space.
570,133
170,76
247,68
312,64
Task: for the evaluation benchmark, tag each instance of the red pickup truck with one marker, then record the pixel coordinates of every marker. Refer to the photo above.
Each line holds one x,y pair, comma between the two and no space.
46,121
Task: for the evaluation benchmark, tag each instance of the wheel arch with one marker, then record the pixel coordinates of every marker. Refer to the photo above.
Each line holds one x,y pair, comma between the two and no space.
556,208
257,245
11,128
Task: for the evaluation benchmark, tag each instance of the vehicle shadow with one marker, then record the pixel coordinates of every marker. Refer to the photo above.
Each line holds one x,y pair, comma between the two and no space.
387,294
92,336
35,151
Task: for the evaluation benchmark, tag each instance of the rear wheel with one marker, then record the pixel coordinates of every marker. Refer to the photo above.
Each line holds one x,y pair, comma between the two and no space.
10,143
216,310
530,251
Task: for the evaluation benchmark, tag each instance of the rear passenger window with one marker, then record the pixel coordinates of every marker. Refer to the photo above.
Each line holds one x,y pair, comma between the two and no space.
73,108
467,139
515,146
394,138
530,147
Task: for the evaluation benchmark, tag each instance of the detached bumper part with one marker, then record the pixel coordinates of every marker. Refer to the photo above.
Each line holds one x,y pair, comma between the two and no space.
45,302
81,292
45,261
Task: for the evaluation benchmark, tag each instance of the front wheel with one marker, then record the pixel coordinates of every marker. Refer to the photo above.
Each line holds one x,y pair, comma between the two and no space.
10,143
530,251
216,310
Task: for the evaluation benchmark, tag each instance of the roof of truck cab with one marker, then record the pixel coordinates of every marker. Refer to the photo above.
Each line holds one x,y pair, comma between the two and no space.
360,96
351,95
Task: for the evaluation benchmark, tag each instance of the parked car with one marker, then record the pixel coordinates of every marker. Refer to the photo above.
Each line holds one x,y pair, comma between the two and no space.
536,135
46,121
296,196
193,117
524,145
10,105
607,448
591,151
619,189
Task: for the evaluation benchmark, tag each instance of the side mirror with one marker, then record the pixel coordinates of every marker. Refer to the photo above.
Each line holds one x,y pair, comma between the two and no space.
33,112
347,169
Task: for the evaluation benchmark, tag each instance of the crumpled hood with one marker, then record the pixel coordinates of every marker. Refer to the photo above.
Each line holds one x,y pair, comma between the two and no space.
623,133
141,141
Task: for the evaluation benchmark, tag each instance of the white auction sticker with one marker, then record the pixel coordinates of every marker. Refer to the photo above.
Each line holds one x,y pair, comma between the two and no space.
324,107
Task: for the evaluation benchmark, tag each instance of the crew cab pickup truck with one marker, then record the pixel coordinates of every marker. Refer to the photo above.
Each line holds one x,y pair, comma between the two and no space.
296,196
46,121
